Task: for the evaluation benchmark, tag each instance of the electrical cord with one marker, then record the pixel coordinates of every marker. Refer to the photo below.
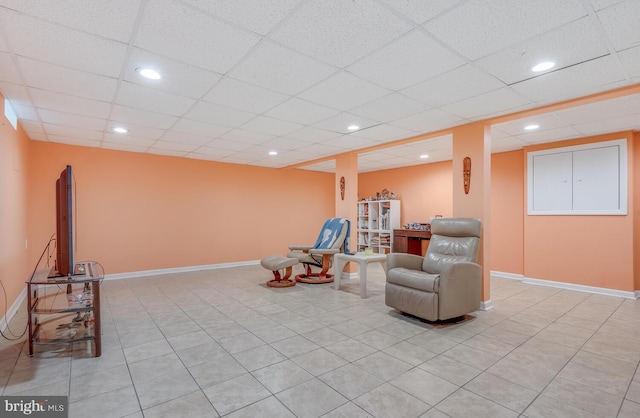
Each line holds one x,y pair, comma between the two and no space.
6,302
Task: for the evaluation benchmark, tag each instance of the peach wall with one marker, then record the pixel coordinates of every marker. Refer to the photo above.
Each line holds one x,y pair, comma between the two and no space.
424,190
139,212
507,208
586,250
14,269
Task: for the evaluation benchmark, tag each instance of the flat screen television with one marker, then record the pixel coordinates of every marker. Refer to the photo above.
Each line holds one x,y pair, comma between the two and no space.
64,223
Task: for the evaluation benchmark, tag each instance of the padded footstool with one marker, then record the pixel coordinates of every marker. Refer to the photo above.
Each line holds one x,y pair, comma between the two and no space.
275,263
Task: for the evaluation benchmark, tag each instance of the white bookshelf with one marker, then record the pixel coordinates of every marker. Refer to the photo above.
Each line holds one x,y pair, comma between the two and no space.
376,221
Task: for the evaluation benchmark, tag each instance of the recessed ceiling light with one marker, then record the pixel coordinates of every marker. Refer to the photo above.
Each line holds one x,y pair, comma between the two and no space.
120,130
424,156
148,73
273,152
543,66
531,127
353,127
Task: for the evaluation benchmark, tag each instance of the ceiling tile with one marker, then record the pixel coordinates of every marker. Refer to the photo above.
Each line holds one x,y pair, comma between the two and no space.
270,126
428,121
320,27
48,76
128,140
200,128
349,142
421,11
71,132
384,133
571,82
568,45
166,153
211,152
408,60
17,93
62,46
74,141
480,27
177,77
607,109
8,71
342,121
247,136
111,19
227,144
620,22
244,96
130,116
172,146
487,103
301,111
556,134
218,115
146,98
630,59
69,104
136,130
312,135
344,91
123,147
275,67
179,32
621,123
67,119
255,15
32,127
544,121
25,113
391,107
601,4
286,144
184,138
462,83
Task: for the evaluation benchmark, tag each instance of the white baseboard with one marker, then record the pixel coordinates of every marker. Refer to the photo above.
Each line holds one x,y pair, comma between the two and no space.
568,286
582,288
505,275
133,274
348,276
13,309
486,305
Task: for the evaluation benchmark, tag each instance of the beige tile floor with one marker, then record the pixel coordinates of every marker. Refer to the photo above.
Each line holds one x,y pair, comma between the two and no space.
221,343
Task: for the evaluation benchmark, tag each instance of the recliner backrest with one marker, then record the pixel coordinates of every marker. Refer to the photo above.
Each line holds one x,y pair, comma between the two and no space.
452,240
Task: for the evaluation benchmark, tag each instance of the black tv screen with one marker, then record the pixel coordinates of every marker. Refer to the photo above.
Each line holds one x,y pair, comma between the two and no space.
64,223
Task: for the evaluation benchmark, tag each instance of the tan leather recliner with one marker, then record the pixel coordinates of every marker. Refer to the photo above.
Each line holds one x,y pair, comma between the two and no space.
444,284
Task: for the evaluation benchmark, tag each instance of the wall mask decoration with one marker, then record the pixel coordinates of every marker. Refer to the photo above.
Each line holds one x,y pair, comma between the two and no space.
466,174
342,182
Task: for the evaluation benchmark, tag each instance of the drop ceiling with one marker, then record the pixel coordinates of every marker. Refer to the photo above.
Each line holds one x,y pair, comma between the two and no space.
241,78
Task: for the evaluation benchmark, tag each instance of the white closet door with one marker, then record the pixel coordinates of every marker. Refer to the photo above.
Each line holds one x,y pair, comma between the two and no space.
552,182
596,182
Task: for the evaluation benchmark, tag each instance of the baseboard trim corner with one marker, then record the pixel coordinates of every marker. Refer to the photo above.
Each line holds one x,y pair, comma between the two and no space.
505,275
486,305
13,310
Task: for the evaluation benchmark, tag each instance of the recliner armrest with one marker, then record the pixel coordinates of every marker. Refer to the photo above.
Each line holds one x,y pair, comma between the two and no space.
460,289
324,251
300,247
408,261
